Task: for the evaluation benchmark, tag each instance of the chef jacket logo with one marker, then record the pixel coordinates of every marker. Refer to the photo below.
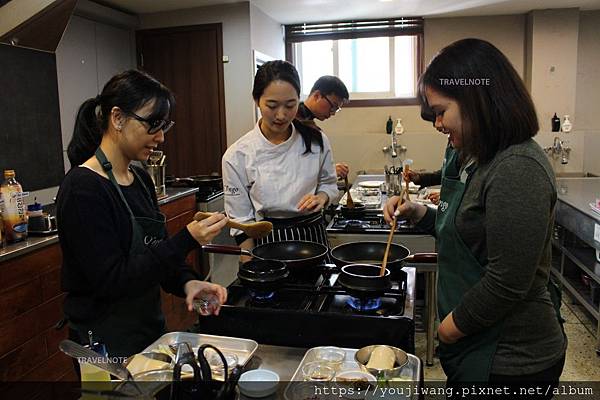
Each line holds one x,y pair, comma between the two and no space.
231,191
443,206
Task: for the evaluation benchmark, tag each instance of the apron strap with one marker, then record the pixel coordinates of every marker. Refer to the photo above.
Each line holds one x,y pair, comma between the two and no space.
107,167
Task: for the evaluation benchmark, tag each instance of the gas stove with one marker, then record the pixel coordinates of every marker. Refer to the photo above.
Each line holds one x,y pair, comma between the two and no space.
368,223
313,311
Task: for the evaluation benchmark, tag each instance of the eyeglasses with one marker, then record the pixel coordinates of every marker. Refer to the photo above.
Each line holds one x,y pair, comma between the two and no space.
156,124
332,107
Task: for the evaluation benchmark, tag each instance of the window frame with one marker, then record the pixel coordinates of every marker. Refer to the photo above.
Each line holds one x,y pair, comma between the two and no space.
412,26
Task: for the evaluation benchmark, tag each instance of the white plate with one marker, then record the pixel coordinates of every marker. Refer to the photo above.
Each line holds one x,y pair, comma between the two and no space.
370,184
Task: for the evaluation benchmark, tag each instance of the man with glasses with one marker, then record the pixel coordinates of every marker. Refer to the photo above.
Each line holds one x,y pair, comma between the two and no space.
326,98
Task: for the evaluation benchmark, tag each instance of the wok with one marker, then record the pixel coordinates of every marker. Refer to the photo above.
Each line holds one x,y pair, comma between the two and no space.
299,256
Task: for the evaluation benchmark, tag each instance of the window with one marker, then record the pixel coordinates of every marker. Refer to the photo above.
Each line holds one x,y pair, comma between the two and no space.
379,61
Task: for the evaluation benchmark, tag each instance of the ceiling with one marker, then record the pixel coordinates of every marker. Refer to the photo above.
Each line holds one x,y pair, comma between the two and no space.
294,11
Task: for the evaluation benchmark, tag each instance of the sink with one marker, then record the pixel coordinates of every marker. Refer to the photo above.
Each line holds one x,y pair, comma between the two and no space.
575,175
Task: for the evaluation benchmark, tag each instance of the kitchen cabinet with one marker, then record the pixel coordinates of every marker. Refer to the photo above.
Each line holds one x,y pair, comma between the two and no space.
575,244
30,306
179,213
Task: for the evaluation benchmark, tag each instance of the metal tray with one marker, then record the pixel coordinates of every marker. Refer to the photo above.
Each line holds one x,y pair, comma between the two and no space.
242,348
412,373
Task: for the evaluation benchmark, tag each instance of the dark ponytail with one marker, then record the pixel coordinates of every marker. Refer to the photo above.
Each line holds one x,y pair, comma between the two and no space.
86,136
130,91
279,70
308,134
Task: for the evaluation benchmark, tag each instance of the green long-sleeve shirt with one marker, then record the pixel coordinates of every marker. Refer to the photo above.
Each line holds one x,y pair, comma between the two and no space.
506,219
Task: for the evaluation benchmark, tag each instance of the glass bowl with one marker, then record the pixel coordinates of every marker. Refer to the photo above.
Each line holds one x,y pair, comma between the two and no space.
317,371
332,356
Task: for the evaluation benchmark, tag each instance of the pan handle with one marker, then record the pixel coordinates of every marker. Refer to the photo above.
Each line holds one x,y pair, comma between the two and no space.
429,258
224,249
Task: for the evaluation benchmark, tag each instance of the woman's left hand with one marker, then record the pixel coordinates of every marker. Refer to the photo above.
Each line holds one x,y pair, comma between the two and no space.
448,332
313,202
195,289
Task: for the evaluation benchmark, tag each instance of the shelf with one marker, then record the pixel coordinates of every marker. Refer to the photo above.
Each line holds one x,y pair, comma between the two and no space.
576,288
583,258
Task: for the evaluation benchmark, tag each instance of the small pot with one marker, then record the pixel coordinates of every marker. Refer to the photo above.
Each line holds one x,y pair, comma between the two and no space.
363,280
355,212
263,275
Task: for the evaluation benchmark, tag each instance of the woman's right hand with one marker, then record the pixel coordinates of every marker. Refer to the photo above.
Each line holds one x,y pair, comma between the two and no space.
413,177
398,207
206,230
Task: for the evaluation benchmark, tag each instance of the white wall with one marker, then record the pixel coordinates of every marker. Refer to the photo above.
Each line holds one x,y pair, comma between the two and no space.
267,34
588,88
238,71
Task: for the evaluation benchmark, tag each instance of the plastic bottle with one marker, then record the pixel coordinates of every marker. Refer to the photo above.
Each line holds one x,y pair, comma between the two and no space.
1,226
555,123
399,128
567,125
389,125
13,208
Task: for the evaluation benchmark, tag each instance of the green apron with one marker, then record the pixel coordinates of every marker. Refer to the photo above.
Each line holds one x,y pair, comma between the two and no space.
131,323
470,358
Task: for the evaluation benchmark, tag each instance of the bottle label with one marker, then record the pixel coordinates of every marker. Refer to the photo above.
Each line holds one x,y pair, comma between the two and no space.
13,214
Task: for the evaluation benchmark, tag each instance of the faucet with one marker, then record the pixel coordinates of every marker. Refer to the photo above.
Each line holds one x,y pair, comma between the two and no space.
559,148
394,146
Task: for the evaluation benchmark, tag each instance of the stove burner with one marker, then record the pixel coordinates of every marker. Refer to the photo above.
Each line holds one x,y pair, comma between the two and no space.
364,304
356,224
260,296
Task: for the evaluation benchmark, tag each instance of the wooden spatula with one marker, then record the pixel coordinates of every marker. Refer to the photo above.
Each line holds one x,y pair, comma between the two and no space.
349,201
255,230
387,247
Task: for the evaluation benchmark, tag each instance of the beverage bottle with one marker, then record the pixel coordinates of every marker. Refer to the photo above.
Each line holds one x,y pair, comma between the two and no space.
1,226
14,213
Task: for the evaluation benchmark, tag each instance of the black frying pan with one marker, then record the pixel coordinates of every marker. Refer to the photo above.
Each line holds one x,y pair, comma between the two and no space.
372,253
353,212
299,256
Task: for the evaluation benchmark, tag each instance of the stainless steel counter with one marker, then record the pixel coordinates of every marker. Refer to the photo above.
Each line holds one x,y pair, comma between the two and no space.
573,210
579,193
174,193
34,243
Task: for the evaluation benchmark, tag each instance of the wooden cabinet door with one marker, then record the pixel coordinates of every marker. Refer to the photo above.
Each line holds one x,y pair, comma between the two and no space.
188,60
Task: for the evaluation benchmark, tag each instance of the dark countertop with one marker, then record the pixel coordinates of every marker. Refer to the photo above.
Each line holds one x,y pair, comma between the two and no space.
35,243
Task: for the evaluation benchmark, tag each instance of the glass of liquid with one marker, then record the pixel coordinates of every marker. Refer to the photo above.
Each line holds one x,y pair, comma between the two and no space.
206,305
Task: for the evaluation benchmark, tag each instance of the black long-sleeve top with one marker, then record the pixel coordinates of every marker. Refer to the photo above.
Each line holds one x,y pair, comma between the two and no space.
95,233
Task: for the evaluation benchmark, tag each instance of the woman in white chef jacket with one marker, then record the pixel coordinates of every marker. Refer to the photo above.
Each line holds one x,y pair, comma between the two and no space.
282,170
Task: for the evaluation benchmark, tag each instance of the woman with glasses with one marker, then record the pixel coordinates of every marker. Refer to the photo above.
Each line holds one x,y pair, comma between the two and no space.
116,253
282,170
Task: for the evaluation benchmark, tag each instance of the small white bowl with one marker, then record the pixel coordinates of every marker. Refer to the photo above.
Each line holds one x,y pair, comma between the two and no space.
258,383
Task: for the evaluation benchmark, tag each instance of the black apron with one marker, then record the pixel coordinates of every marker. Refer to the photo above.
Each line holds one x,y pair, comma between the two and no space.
310,228
131,323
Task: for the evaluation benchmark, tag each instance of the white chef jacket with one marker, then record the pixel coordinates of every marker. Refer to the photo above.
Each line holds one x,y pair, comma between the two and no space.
266,180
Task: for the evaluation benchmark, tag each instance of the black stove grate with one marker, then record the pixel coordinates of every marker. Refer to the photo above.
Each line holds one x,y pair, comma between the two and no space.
310,312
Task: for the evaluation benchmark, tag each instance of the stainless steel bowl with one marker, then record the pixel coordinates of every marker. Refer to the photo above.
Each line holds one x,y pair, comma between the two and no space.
363,355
